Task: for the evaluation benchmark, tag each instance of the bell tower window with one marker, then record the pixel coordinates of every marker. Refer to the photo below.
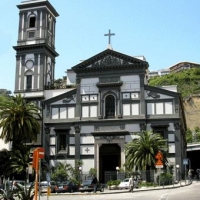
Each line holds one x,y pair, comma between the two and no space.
50,22
32,21
110,107
28,82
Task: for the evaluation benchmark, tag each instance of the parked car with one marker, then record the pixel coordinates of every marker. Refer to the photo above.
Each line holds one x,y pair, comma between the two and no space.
87,186
44,186
125,183
67,186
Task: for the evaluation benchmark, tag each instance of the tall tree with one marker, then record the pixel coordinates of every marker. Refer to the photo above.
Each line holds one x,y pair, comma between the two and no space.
4,156
19,120
141,151
18,161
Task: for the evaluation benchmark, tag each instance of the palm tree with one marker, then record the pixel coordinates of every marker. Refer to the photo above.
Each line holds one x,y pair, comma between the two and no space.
140,152
18,161
4,156
19,120
60,171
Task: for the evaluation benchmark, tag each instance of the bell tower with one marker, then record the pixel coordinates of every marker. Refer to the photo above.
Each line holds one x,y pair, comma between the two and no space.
35,50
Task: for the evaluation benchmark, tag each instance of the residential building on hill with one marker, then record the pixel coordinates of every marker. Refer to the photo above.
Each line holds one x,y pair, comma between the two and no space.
183,66
161,72
111,100
174,68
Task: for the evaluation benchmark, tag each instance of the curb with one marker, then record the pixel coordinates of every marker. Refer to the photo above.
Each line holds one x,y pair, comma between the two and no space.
124,191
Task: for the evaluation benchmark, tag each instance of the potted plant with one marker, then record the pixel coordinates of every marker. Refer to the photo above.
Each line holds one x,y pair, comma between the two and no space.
113,184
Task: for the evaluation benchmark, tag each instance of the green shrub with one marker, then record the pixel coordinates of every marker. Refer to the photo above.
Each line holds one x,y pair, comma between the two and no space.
148,184
166,178
113,182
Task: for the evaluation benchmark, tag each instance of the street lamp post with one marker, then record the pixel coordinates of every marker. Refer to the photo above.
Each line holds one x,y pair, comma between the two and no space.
117,169
178,173
80,170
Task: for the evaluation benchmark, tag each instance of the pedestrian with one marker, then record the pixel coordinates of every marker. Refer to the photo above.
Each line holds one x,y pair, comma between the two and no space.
94,183
131,184
190,175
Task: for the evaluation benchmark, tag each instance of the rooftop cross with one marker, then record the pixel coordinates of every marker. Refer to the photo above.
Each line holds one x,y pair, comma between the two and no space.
109,36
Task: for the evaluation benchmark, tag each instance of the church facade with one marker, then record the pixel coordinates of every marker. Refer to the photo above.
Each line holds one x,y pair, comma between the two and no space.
108,101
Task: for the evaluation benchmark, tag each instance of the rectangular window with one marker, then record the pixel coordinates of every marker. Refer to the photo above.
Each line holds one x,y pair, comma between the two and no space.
71,112
134,95
29,82
150,109
171,137
126,95
171,147
135,109
130,109
62,112
62,142
89,111
93,98
93,111
159,108
85,98
31,34
85,111
89,98
130,95
32,22
126,110
168,108
54,113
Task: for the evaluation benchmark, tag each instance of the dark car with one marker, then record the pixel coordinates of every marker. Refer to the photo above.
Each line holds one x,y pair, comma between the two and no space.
87,186
67,186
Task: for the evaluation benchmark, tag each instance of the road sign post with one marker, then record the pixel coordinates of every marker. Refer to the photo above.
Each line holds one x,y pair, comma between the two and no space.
159,163
185,162
38,154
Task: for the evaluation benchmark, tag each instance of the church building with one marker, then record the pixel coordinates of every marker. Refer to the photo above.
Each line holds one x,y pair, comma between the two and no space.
106,102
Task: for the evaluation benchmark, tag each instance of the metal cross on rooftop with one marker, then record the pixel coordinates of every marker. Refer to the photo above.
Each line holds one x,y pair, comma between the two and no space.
109,36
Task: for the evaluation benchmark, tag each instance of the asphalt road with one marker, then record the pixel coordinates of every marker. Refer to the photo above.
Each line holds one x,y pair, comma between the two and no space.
190,192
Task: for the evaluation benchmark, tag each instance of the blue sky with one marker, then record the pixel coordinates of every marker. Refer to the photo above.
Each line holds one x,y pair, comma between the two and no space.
165,32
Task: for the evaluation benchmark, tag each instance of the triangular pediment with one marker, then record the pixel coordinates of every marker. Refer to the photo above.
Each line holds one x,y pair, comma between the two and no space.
68,97
158,92
109,58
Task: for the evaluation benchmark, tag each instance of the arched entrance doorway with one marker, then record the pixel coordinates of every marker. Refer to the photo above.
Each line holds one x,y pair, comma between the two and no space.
109,159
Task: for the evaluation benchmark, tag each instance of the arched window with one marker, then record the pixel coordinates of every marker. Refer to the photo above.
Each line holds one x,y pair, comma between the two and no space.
110,107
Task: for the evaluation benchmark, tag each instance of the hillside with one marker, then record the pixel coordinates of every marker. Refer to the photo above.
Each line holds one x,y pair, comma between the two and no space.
188,84
188,81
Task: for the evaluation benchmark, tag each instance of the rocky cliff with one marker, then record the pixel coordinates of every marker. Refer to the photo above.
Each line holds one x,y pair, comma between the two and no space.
192,111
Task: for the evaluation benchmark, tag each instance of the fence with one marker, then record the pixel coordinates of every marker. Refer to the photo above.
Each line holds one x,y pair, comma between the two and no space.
159,177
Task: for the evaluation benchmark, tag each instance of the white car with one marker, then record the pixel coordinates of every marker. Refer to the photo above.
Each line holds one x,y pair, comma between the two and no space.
125,184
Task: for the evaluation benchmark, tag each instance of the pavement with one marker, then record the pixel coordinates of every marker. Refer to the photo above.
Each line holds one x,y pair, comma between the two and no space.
182,183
